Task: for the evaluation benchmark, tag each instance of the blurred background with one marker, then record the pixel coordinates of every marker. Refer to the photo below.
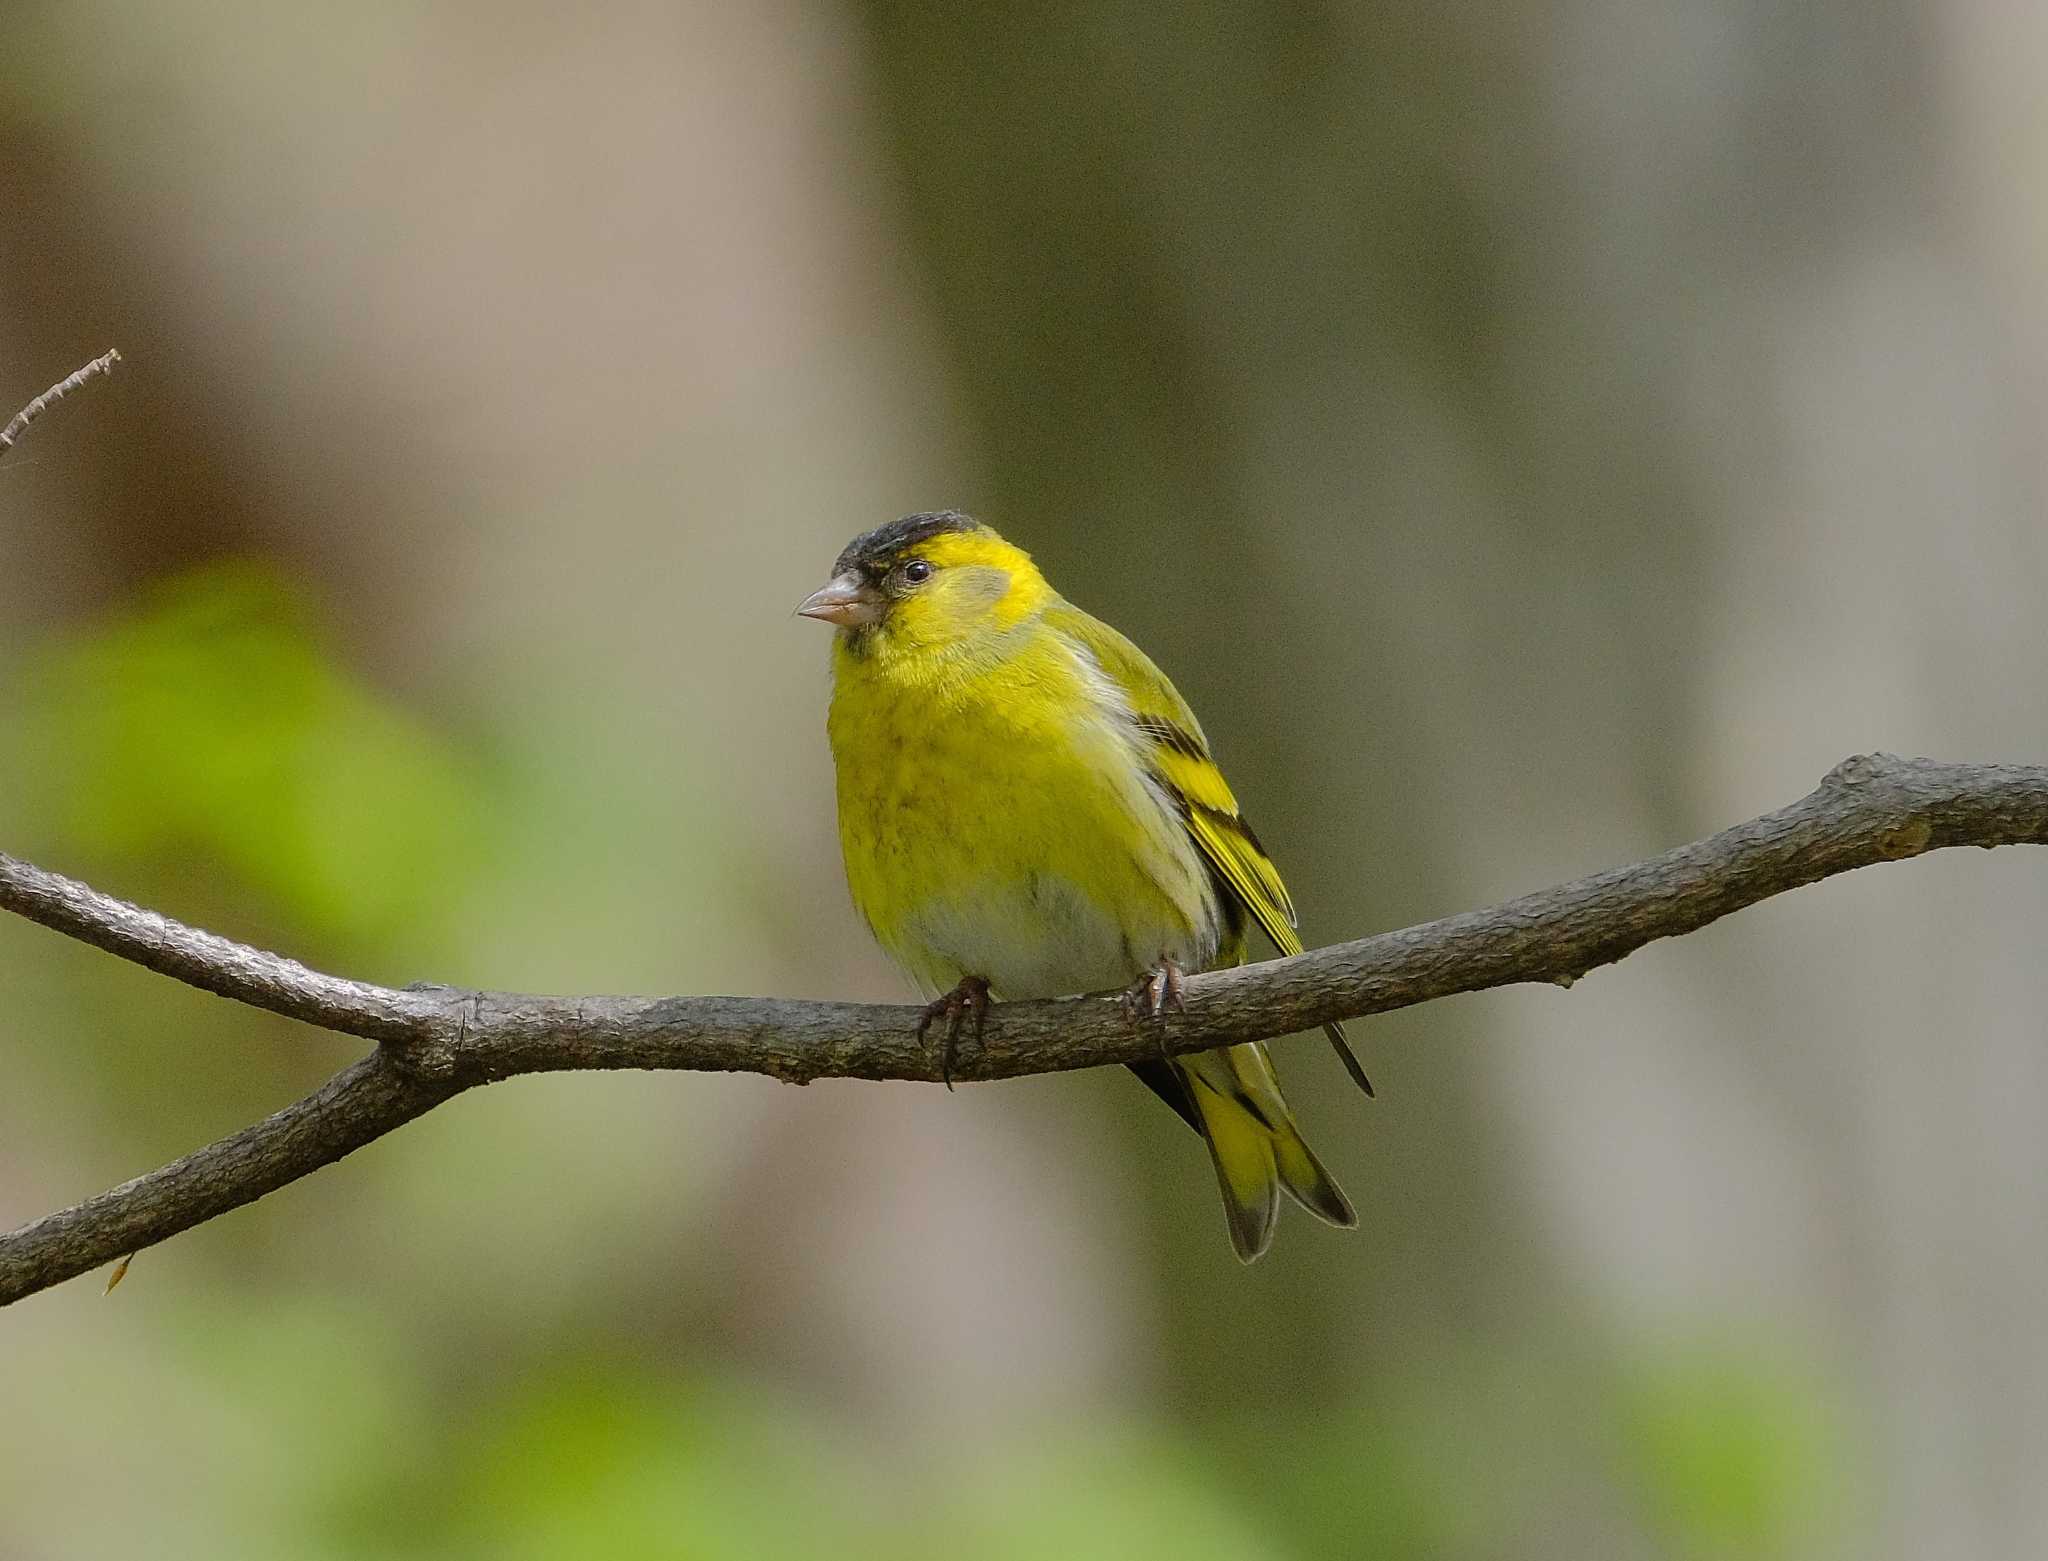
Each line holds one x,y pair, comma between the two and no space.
1531,436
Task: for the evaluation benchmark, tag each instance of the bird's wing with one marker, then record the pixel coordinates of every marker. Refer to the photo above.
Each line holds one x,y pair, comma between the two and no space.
1178,755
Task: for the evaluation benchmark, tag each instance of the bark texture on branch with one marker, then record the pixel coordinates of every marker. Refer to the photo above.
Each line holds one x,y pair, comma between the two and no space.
17,425
435,1042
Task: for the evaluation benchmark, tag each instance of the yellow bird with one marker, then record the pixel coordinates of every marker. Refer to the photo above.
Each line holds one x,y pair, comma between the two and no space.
1028,808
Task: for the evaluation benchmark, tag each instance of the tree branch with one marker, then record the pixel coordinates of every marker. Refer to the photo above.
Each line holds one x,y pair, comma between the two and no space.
18,424
435,1042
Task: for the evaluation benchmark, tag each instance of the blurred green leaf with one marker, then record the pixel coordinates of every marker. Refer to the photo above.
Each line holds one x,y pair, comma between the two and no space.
212,720
1736,1451
589,1459
1100,1494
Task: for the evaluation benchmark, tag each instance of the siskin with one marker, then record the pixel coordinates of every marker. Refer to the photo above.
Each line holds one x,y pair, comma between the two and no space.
1028,808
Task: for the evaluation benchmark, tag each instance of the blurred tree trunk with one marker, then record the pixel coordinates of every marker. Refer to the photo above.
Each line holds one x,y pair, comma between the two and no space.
1531,436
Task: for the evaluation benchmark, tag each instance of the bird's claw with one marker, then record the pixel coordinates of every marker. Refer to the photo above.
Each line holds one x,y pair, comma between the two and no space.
969,997
1157,991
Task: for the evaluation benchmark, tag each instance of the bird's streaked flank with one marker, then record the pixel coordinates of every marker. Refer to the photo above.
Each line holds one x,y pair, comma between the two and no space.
1028,808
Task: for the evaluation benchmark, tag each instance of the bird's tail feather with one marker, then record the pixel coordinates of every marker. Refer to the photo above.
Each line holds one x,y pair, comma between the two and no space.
1258,1150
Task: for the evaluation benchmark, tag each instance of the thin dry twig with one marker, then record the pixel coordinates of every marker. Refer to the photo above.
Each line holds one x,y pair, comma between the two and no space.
436,1042
18,424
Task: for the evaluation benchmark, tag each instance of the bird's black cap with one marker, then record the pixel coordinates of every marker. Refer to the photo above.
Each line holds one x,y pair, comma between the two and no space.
873,552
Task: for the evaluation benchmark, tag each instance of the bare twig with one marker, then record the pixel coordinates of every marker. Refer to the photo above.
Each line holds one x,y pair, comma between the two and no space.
18,424
436,1042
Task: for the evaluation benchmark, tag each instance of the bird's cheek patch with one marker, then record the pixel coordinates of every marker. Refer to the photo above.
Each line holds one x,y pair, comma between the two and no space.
978,586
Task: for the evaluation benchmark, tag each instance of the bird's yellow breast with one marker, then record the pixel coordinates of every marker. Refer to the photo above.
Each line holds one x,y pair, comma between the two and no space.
996,822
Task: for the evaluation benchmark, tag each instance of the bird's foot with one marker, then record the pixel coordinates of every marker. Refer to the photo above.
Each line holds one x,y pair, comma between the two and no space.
1158,990
970,997
1148,998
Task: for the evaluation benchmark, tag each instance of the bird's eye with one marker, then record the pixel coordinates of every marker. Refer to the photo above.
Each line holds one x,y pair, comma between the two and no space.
916,572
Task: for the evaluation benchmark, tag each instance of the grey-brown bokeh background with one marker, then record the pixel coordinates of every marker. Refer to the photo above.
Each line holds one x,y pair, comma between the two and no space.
1530,435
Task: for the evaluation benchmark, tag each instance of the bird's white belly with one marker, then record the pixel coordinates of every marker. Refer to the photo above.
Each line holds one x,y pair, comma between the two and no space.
1039,937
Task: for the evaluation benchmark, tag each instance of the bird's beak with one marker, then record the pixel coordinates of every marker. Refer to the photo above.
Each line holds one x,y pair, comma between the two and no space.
847,602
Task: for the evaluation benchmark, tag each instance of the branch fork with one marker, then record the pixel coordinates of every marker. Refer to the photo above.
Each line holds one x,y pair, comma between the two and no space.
434,1042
